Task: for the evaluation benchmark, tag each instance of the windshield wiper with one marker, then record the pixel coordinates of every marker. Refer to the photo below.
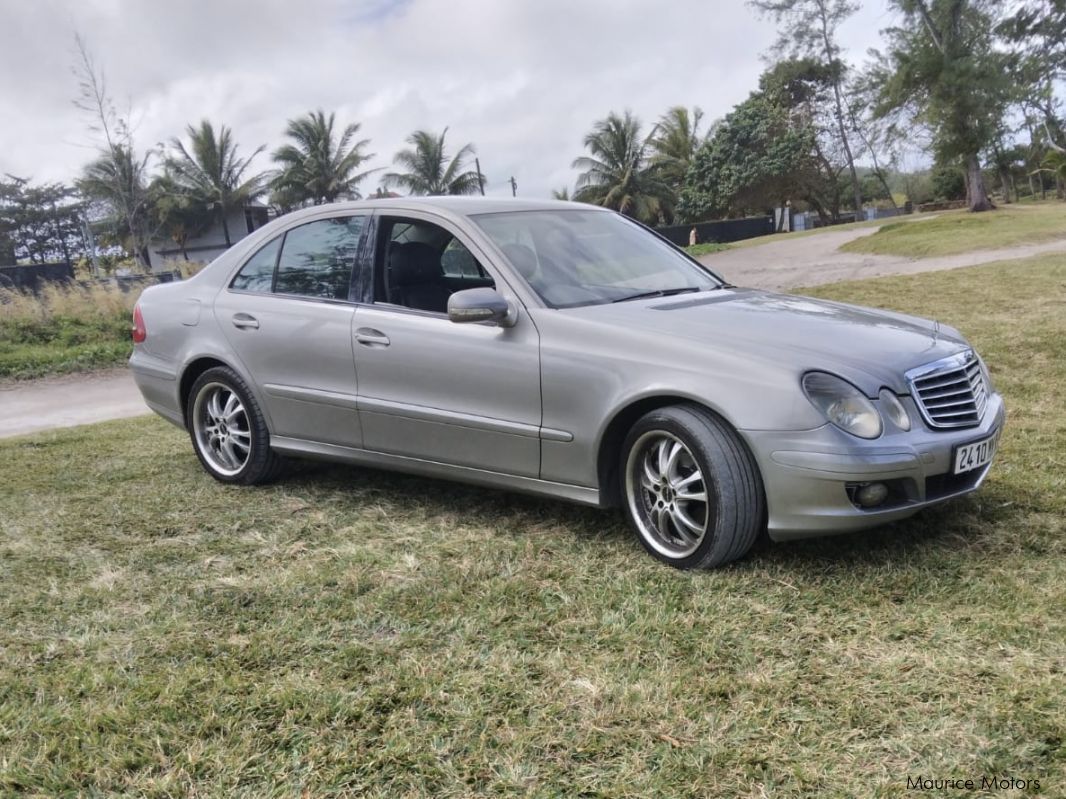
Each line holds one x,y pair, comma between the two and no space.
658,293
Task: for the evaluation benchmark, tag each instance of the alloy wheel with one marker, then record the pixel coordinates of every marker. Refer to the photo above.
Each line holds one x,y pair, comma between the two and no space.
667,494
222,430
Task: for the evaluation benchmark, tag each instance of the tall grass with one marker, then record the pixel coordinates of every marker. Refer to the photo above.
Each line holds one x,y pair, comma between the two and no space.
63,329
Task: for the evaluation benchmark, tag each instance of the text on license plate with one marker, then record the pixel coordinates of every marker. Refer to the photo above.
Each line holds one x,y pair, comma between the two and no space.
974,455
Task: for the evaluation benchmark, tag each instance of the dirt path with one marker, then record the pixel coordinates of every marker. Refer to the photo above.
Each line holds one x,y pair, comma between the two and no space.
787,263
67,401
814,260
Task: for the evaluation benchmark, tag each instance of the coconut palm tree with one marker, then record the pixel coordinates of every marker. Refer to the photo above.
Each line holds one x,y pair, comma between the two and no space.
561,194
319,166
618,173
1055,163
212,173
117,179
178,213
428,169
674,143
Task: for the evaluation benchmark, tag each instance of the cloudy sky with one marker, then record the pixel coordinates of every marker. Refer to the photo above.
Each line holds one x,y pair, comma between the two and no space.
522,79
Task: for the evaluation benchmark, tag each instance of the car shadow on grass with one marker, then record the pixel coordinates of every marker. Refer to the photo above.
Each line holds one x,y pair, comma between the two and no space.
975,522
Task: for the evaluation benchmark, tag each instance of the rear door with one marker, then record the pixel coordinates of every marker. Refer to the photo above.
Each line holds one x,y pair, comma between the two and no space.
288,317
463,394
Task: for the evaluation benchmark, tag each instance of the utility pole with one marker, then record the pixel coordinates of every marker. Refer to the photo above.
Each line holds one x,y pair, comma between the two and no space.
480,177
514,187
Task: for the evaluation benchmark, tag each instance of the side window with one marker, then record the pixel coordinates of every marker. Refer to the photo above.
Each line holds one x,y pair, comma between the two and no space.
420,265
257,274
458,262
317,258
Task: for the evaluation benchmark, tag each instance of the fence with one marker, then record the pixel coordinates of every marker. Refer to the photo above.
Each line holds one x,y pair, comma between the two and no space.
31,278
723,231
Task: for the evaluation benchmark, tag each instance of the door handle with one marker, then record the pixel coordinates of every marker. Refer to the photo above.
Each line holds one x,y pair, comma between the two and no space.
369,337
243,320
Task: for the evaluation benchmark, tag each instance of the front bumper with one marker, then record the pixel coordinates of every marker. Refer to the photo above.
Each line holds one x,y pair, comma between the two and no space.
806,473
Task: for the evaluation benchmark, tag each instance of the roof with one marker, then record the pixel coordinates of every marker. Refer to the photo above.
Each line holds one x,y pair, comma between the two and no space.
460,206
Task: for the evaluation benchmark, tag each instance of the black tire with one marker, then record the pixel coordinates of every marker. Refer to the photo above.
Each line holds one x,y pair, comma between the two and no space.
661,503
261,464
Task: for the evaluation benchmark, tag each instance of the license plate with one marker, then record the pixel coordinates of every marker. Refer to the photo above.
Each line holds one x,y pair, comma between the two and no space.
975,455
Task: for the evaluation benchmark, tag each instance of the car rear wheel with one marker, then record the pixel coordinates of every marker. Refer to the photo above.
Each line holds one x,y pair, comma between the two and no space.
692,490
228,430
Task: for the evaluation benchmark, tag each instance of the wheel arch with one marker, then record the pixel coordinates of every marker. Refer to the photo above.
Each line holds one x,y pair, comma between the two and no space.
609,448
193,369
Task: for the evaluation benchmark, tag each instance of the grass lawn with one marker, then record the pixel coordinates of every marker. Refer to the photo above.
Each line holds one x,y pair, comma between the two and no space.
960,231
361,633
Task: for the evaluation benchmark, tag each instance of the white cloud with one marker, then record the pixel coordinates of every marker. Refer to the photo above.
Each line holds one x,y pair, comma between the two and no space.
522,79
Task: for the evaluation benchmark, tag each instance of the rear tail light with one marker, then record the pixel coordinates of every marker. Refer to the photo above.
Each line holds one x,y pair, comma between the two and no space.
139,331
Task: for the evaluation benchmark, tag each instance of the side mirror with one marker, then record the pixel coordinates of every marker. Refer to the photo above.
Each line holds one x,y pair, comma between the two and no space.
480,305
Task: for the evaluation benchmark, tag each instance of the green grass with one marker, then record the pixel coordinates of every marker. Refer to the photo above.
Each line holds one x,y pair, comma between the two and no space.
706,248
353,632
955,232
64,330
66,346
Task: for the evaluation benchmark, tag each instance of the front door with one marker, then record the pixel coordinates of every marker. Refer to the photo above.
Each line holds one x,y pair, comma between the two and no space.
463,394
287,315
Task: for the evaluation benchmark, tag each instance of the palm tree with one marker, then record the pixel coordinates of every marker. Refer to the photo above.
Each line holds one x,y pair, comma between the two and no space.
428,169
117,179
210,171
1055,163
319,167
561,194
177,212
674,143
618,174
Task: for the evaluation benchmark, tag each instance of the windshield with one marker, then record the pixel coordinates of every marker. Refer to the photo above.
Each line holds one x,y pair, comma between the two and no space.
573,258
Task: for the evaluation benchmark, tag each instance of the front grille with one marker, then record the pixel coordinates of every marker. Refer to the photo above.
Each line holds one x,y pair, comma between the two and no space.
952,392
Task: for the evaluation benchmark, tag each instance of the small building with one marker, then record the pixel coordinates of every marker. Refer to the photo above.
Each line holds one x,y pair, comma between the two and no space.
212,243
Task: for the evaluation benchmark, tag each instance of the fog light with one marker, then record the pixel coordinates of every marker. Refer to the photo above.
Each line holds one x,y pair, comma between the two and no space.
871,495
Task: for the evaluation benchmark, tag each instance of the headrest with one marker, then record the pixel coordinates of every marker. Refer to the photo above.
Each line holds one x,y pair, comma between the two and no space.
522,258
413,263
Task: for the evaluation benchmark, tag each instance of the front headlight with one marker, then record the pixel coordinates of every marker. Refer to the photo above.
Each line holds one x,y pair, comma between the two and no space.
842,404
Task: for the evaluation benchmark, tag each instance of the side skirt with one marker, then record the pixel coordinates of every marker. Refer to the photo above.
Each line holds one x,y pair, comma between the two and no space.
298,447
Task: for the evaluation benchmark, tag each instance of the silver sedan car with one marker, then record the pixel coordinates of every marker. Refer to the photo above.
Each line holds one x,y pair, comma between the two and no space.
563,350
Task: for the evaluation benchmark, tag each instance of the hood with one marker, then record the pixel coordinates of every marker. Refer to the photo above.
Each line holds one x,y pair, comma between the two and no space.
871,348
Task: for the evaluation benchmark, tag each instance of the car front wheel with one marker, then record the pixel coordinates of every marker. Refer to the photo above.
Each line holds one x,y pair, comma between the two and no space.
692,490
228,430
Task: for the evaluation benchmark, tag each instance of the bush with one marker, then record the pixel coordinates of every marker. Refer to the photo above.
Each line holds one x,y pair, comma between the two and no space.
948,183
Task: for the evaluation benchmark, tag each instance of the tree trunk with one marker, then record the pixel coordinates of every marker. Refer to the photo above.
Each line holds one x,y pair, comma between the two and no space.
1032,186
839,113
225,228
976,195
1004,180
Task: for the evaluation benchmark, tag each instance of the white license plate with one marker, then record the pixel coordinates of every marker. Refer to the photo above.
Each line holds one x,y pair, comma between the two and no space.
975,455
